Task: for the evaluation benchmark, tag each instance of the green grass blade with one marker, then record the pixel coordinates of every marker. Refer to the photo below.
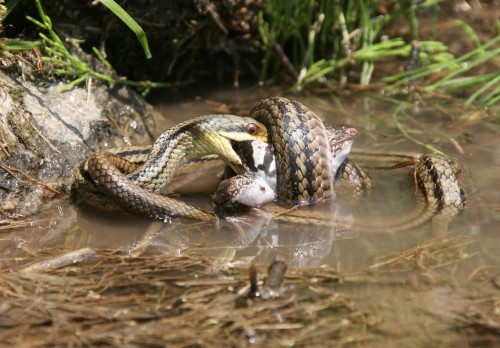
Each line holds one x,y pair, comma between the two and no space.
102,59
22,45
10,5
461,83
37,22
74,83
493,101
486,86
483,58
130,22
469,31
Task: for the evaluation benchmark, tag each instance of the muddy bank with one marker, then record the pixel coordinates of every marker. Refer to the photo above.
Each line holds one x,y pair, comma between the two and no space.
45,133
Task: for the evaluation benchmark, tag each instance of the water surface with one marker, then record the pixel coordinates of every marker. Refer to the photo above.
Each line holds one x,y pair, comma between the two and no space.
469,135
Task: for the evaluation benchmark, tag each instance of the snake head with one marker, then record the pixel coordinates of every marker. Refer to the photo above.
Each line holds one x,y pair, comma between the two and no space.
341,139
228,131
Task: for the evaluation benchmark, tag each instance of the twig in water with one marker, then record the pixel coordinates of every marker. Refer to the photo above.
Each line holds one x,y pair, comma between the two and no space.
63,260
271,288
276,273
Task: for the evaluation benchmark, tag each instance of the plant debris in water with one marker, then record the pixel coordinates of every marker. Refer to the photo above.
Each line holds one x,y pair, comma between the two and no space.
107,297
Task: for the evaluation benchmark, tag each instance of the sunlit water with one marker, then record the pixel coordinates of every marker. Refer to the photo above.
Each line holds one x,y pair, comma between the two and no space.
469,136
415,300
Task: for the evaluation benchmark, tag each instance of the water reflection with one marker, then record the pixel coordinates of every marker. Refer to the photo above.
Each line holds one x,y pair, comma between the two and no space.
251,236
256,238
382,125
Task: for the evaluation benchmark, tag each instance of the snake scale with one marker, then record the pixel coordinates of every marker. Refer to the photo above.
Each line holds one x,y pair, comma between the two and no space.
439,193
304,151
138,188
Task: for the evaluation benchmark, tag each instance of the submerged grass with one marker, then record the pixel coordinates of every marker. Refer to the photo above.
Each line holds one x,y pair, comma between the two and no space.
107,297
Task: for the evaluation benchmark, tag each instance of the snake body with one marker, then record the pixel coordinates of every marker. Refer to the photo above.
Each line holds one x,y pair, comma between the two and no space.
303,153
138,189
257,186
439,192
437,177
437,180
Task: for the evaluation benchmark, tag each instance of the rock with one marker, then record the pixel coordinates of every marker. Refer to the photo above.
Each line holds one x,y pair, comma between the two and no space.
46,133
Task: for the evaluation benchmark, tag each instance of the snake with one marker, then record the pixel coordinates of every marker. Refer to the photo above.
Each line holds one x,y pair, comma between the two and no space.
305,175
439,188
439,185
138,188
304,150
259,184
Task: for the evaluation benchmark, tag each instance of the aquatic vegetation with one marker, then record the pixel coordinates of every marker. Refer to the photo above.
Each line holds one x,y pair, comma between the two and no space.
337,43
334,44
112,298
487,85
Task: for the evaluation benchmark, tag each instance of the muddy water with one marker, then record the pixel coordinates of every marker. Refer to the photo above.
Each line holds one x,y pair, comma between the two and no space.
384,124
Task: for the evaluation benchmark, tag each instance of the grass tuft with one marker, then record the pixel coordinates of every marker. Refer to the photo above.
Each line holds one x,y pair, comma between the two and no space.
69,65
324,41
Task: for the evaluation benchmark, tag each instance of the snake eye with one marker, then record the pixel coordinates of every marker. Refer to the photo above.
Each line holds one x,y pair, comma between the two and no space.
252,129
